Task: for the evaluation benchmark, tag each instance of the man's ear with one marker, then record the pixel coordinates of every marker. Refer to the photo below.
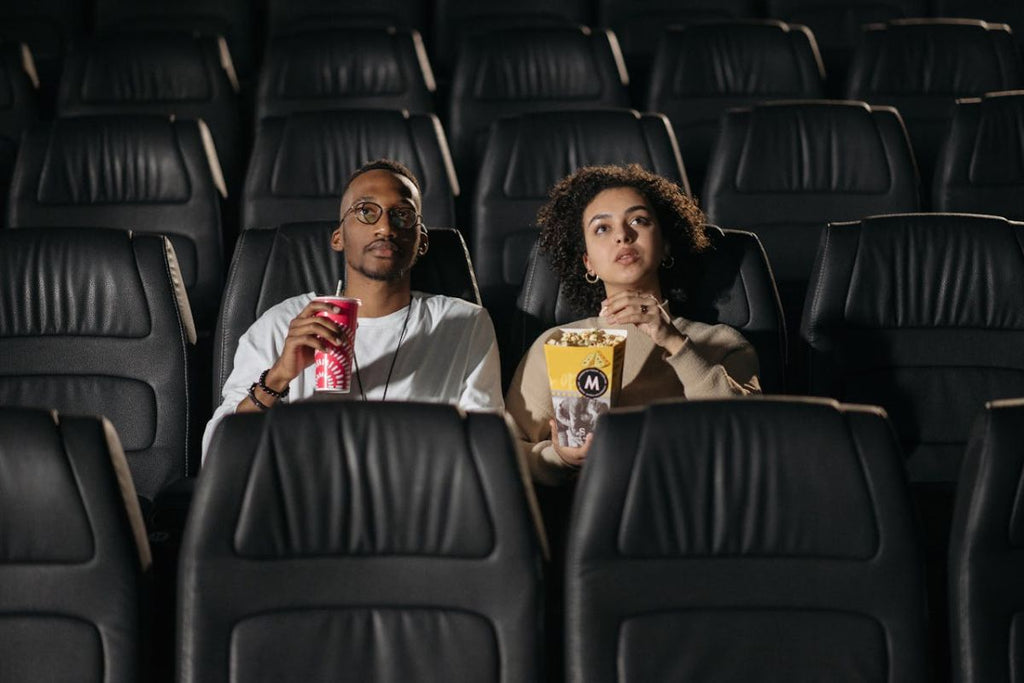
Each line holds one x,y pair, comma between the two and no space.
424,241
338,238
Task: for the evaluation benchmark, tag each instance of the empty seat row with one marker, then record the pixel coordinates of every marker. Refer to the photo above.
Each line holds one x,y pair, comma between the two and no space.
802,564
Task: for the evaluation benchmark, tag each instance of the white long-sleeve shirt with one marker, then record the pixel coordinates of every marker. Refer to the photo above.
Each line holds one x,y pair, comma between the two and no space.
448,355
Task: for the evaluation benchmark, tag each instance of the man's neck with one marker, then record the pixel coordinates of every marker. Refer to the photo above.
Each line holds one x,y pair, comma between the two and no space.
378,298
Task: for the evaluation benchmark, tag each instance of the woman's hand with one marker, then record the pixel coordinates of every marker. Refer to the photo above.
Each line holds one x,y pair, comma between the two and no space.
645,311
573,457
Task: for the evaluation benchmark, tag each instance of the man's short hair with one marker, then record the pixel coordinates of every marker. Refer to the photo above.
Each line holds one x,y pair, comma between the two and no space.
396,167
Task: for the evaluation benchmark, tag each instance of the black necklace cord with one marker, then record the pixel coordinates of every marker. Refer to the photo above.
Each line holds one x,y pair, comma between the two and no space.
394,358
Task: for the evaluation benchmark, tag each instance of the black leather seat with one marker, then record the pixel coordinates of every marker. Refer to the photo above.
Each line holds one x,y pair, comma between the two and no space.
345,68
638,24
300,163
744,540
837,25
702,70
49,28
454,20
525,157
133,172
996,11
514,71
96,320
917,313
73,552
978,168
171,74
271,265
985,561
734,285
922,66
17,107
290,16
782,170
232,19
334,542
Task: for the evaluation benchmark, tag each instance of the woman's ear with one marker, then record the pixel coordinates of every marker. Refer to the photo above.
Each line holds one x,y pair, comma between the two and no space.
586,262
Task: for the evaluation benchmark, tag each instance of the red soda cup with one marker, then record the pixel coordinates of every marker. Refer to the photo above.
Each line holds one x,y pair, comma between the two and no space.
334,365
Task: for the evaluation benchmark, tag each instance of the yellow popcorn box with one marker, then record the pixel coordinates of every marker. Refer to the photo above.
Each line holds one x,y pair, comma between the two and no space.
585,372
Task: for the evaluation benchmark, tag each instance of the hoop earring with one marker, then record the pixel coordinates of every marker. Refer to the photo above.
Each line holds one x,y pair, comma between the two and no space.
590,275
668,262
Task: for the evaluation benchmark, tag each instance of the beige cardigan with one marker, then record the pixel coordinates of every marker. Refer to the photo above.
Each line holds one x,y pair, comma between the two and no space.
715,362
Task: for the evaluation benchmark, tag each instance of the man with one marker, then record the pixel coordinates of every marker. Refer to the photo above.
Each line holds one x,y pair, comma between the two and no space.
409,345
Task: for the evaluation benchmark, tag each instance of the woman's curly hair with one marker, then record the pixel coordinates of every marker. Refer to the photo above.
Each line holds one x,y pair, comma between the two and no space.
561,223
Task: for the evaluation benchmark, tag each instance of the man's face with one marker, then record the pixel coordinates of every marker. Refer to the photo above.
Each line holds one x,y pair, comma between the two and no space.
386,249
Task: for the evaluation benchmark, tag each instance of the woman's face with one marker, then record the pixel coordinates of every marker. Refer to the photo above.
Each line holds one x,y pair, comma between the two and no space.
624,245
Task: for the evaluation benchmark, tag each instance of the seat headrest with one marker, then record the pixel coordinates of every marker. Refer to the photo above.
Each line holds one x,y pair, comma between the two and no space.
534,64
44,517
154,67
754,490
808,147
107,160
740,59
66,281
363,486
319,150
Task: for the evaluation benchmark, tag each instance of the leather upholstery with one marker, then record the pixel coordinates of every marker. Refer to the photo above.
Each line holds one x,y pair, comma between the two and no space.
513,71
292,16
640,24
72,552
734,286
231,19
17,109
738,540
300,163
345,68
922,66
157,73
701,71
980,168
837,26
783,170
526,156
336,542
997,11
456,19
48,27
985,598
95,320
271,265
133,172
913,313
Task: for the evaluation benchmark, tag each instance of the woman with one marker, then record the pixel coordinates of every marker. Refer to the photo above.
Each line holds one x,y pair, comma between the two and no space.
610,232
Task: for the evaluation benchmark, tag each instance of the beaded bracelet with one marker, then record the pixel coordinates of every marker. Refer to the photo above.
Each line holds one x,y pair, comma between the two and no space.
256,402
262,383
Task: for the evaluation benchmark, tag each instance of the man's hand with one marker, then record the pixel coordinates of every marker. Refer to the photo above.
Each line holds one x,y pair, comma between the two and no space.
307,333
573,457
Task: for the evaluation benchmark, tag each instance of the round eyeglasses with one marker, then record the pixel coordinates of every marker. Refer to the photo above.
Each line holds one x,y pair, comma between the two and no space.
399,217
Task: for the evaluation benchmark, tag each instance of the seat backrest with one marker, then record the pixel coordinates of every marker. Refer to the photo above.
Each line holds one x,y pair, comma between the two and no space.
232,19
996,11
638,23
173,74
132,172
300,163
922,66
980,168
837,24
916,313
345,68
271,265
290,16
783,170
49,28
301,562
741,540
454,20
513,71
702,70
72,553
95,320
731,284
985,562
526,156
17,107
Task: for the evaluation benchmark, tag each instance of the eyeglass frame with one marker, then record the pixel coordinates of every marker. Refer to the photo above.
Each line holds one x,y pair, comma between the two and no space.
417,222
